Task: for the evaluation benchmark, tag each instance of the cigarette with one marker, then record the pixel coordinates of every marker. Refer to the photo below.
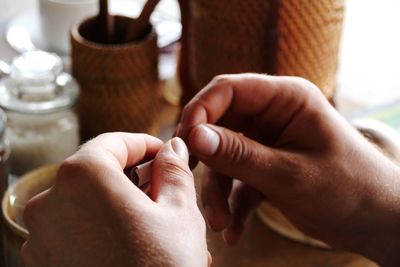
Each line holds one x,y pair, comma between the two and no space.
141,174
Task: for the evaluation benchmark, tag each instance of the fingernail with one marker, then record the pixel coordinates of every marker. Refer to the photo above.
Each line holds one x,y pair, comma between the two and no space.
206,140
180,148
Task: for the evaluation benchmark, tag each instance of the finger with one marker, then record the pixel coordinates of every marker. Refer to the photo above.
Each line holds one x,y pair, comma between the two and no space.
27,255
193,161
214,195
172,180
32,212
100,163
120,149
247,95
244,199
235,155
31,255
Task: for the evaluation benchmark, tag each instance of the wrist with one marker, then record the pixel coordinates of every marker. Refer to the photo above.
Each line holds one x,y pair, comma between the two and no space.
378,236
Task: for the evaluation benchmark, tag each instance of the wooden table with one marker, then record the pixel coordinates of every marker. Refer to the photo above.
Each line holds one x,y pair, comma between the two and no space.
262,247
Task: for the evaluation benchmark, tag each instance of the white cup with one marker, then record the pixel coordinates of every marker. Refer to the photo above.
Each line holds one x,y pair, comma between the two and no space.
56,19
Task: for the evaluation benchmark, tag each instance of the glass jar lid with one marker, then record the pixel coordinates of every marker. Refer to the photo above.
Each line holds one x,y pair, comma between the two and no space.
37,84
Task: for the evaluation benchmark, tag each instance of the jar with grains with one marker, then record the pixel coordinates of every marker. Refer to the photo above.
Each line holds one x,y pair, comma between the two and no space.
4,155
38,98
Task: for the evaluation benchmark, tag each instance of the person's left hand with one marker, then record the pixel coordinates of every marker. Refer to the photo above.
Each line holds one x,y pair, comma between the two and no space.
95,216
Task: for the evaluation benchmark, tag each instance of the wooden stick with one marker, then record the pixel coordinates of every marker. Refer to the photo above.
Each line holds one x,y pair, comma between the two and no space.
106,23
139,25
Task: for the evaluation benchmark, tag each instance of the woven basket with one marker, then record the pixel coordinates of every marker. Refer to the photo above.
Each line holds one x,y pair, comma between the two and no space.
309,38
281,37
286,37
119,82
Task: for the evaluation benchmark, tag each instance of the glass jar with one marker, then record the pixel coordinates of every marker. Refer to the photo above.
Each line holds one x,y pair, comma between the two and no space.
38,98
4,155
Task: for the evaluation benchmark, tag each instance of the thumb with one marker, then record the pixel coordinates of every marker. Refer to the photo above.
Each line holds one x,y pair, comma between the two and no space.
172,180
237,156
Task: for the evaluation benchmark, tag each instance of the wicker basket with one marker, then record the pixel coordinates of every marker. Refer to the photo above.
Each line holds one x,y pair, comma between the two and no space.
119,82
281,37
286,37
309,38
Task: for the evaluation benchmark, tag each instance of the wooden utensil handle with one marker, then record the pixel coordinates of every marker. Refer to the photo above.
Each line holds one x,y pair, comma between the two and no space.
139,25
106,23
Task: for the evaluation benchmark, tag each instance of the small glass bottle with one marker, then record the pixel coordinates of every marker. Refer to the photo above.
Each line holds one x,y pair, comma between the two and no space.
38,98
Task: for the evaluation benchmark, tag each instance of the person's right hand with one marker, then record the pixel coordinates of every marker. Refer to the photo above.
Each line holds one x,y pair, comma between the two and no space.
277,138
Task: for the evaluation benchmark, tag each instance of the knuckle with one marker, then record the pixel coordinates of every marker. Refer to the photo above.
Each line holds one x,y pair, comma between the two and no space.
98,139
101,138
25,254
30,214
68,165
302,82
106,135
309,88
29,254
187,108
222,79
69,179
145,135
68,168
237,151
180,177
176,174
308,93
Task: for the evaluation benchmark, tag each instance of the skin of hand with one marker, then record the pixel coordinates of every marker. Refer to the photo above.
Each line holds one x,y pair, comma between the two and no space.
278,139
95,216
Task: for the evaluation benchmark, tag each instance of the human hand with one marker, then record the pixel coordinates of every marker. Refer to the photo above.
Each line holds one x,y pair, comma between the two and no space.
277,138
95,216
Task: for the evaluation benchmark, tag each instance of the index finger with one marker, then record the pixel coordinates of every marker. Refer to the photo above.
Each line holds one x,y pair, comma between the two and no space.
244,94
120,149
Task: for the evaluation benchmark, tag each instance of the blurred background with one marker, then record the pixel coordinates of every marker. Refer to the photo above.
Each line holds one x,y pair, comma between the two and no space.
369,73
11,8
